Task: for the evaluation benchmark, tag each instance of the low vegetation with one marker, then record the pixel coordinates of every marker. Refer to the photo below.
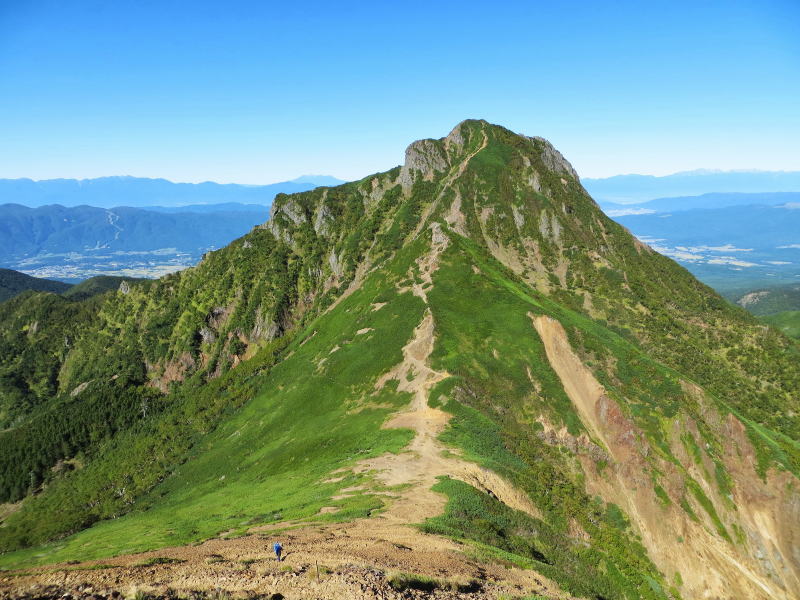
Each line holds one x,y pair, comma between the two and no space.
788,322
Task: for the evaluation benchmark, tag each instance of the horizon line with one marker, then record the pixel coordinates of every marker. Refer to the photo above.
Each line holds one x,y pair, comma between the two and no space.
697,172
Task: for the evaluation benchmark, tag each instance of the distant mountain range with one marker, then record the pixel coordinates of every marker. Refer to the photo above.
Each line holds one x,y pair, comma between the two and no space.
714,200
626,189
72,229
317,180
108,192
731,241
733,230
73,243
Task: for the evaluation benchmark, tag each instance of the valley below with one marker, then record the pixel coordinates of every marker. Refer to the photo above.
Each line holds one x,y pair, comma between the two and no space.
77,266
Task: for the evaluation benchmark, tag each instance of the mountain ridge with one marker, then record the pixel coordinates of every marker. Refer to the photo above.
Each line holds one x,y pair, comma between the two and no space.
632,189
707,201
623,398
13,283
108,192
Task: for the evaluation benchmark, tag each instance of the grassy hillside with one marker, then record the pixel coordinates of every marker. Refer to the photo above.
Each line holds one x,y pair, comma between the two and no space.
788,322
262,463
262,484
249,390
96,285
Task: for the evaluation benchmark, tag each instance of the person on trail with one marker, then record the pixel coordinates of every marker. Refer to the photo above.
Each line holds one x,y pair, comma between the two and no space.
278,549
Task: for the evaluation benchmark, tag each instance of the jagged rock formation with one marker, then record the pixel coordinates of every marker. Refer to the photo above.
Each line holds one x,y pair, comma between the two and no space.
606,420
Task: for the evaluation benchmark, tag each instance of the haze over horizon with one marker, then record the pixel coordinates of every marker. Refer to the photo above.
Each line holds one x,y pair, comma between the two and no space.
328,179
306,178
252,93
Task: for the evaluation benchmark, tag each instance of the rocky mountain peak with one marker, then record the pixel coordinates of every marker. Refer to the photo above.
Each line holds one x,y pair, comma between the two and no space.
429,156
553,159
426,156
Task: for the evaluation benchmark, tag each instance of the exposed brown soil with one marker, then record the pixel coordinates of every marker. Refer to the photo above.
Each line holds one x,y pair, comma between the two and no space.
355,561
767,512
426,459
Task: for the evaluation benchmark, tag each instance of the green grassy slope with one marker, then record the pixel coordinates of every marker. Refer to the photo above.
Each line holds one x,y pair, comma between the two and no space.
127,351
565,247
502,388
788,322
263,464
502,384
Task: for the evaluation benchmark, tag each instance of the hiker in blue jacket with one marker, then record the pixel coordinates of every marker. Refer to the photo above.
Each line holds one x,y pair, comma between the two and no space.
278,549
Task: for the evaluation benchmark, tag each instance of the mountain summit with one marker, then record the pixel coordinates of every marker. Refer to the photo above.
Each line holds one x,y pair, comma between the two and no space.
462,356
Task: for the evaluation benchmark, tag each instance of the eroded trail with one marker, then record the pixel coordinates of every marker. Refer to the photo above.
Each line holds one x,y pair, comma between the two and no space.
426,458
458,219
353,562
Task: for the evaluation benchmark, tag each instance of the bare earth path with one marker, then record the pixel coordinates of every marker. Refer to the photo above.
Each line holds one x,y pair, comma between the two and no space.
352,559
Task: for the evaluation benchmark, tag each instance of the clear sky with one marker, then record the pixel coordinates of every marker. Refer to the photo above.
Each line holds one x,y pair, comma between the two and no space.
255,92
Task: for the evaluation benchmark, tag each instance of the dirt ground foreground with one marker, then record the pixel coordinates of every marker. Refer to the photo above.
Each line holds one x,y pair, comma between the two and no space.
351,560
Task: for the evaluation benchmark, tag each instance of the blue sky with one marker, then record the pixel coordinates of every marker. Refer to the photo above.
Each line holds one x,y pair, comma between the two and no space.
260,92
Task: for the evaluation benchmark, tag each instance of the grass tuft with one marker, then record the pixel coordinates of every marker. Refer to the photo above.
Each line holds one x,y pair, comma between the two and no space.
159,560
